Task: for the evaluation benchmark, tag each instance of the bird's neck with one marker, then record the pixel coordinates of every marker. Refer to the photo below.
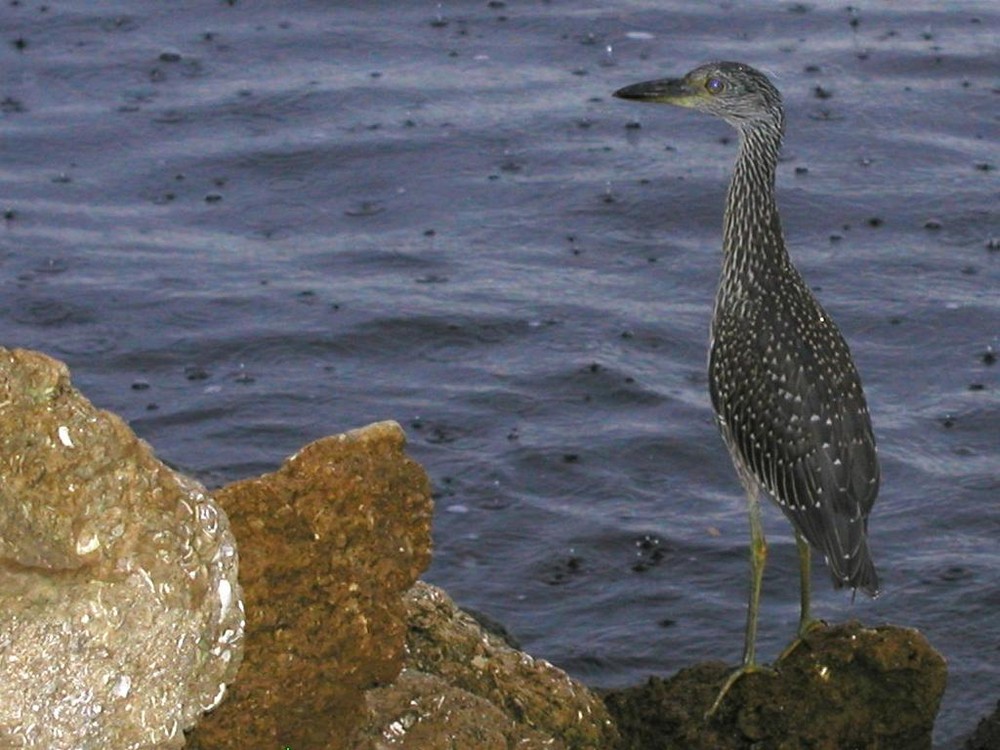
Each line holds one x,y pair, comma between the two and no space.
752,238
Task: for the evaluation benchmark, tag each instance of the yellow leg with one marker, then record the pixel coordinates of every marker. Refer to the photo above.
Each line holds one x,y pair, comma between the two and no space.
758,556
805,568
806,623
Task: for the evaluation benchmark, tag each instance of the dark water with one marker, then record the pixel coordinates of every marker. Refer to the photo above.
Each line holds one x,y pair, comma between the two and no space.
246,225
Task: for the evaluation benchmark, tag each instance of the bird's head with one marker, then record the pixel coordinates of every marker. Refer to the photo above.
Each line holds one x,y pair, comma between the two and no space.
739,94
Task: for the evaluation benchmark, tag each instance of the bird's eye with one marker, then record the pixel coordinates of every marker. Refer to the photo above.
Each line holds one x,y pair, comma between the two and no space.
714,85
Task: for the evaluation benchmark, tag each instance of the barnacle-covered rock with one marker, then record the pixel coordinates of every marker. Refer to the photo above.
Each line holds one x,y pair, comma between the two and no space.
121,618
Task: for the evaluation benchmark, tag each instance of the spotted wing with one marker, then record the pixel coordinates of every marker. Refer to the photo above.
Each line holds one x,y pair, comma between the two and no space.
791,405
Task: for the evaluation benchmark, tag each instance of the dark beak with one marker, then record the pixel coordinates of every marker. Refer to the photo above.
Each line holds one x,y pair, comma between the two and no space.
662,90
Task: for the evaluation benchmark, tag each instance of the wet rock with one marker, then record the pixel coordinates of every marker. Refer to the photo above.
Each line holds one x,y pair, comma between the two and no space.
423,712
463,686
341,652
330,542
843,686
120,614
115,573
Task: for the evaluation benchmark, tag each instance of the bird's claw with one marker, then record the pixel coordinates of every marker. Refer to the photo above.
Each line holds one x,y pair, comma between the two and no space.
730,681
805,628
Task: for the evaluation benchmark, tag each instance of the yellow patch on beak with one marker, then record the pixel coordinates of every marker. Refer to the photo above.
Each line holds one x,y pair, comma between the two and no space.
677,91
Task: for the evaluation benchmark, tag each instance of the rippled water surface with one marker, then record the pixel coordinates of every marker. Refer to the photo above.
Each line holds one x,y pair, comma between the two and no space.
247,225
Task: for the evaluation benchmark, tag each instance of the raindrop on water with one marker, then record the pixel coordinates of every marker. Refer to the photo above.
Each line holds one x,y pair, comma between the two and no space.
439,19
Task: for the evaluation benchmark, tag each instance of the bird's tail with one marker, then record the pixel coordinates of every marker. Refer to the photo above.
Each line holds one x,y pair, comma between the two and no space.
857,571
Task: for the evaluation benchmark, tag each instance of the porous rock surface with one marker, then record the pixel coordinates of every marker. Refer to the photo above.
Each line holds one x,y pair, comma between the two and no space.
330,542
120,617
844,686
465,687
345,650
120,613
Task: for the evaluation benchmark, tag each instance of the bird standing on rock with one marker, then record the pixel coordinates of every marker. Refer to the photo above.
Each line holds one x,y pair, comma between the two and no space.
784,387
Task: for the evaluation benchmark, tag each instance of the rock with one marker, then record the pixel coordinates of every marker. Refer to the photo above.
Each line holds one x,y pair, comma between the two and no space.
463,686
845,686
330,542
987,734
120,614
341,652
121,620
423,712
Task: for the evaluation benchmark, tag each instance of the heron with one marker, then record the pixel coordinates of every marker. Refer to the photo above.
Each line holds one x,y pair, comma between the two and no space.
785,390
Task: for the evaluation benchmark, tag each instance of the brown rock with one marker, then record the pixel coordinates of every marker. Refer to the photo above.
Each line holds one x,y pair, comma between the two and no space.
423,712
330,542
846,686
491,695
115,571
120,612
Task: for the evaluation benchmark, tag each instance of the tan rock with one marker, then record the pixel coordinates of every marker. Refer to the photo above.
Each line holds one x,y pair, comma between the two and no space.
490,693
120,616
120,613
423,712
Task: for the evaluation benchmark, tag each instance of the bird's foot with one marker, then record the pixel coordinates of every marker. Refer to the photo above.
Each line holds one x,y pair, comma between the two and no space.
805,628
730,681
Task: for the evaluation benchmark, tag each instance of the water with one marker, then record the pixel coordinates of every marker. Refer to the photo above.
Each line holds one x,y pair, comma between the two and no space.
248,225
